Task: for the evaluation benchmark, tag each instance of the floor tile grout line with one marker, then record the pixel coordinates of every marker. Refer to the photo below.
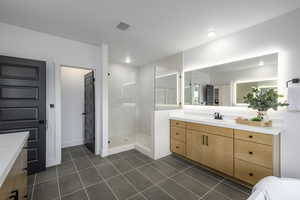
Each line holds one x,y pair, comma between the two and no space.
80,179
57,179
110,161
105,181
211,189
156,185
127,180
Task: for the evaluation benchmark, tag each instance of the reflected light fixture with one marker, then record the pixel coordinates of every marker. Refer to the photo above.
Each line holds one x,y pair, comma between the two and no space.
261,63
128,60
211,34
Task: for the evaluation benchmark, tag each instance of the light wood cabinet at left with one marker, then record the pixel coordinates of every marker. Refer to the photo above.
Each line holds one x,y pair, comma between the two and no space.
15,184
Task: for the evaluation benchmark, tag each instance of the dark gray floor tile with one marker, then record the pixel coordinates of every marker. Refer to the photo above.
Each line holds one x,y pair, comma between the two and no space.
135,162
77,153
154,193
89,176
121,187
48,174
191,184
202,177
46,191
138,180
215,196
100,191
177,164
66,168
122,165
69,183
177,191
237,186
164,168
80,195
31,179
65,156
153,174
137,197
127,154
114,157
98,160
144,158
82,163
231,192
107,170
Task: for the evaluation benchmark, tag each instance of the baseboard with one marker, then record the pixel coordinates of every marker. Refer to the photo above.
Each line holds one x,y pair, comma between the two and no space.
120,149
72,143
144,150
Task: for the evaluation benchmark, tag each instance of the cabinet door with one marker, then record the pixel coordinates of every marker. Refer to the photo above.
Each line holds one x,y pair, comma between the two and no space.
219,153
195,145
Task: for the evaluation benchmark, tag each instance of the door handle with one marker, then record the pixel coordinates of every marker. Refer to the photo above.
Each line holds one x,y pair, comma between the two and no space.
41,121
207,140
84,113
203,140
14,195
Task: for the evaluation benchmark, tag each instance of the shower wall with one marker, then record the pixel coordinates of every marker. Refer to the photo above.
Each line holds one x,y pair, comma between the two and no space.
122,105
145,106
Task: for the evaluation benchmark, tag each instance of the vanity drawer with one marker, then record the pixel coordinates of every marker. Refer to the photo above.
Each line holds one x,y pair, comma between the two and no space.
178,123
178,147
255,153
227,132
178,134
253,137
250,172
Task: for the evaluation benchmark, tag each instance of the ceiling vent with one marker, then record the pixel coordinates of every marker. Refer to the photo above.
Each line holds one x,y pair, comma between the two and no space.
123,26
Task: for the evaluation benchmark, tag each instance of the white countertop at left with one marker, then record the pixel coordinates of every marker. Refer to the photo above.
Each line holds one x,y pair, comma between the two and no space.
11,146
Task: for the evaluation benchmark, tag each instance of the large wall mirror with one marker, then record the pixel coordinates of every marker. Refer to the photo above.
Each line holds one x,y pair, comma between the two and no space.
227,84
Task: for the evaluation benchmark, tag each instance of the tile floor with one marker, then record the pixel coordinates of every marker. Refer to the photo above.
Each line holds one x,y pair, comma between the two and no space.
129,176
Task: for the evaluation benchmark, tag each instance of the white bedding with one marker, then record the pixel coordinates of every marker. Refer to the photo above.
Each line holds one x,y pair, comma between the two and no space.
273,188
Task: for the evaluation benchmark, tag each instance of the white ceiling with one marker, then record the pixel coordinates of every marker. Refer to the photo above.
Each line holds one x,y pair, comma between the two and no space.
159,27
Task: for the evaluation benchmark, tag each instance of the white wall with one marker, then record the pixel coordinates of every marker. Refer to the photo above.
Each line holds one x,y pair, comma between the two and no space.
56,51
277,35
72,106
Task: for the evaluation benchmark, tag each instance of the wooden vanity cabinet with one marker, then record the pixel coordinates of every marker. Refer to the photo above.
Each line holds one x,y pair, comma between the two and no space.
212,150
15,184
244,155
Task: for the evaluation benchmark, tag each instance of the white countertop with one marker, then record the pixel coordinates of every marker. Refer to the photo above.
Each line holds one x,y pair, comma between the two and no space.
11,146
226,123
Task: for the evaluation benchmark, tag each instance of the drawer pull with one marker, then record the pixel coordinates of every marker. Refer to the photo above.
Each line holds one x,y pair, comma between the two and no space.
177,147
250,174
251,136
177,134
250,152
177,123
14,195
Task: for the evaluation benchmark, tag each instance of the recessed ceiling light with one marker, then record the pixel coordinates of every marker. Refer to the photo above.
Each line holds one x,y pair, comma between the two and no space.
211,34
127,60
261,63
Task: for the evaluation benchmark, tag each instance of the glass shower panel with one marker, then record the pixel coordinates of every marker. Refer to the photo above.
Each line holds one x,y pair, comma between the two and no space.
167,83
122,105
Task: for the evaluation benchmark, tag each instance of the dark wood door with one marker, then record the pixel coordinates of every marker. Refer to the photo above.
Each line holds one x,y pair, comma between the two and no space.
23,105
89,111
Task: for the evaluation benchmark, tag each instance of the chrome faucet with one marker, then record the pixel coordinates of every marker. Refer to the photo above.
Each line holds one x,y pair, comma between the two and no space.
218,116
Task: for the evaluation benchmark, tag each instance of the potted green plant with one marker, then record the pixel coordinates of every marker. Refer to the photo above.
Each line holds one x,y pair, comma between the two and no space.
262,101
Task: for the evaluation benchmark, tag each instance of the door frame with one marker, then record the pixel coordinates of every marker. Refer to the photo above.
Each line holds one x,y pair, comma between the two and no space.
58,109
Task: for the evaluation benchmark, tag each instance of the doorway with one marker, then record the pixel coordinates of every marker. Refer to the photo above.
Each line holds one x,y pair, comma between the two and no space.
77,107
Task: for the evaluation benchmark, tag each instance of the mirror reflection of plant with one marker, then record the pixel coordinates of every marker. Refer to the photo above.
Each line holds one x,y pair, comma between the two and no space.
262,101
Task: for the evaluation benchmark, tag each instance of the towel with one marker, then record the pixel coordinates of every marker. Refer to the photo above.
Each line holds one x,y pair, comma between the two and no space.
294,97
273,188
